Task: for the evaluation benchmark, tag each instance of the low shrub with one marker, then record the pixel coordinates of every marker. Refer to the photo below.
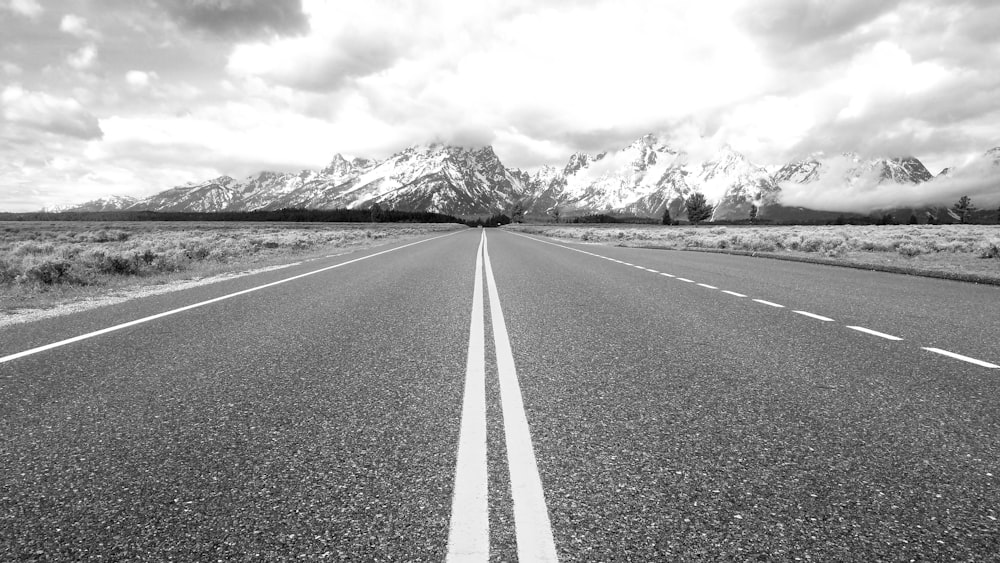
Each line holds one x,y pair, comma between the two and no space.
33,249
114,264
48,272
910,250
8,272
988,249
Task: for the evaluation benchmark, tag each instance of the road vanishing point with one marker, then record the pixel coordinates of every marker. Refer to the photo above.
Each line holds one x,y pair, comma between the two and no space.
491,396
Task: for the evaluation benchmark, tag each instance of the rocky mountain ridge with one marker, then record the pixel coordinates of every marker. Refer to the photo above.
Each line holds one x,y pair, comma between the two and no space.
645,178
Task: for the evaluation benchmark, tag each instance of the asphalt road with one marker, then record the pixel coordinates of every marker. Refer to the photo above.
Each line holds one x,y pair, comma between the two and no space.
733,417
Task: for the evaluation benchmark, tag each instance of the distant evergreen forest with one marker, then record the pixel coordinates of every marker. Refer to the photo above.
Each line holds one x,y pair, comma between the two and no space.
375,214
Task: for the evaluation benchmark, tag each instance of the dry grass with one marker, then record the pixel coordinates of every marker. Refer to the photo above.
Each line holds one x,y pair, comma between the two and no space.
957,249
46,264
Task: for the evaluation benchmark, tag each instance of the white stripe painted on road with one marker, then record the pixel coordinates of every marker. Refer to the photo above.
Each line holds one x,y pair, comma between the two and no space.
469,529
963,358
805,313
707,286
814,316
200,304
533,529
874,332
684,280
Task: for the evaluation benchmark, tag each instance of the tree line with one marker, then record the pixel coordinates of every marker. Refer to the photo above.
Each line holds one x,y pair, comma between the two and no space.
375,213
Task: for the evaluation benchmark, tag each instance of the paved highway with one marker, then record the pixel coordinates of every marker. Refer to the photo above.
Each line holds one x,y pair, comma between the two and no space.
502,397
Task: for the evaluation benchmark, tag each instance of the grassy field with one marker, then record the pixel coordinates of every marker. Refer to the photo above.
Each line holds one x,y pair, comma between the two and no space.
970,251
43,265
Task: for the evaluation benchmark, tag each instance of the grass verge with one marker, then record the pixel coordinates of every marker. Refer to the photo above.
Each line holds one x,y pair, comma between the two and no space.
62,265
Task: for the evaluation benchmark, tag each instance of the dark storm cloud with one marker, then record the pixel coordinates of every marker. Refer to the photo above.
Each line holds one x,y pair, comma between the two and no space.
239,18
783,24
318,64
41,111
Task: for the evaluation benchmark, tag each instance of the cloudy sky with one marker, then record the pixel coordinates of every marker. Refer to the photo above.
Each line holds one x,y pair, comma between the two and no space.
135,96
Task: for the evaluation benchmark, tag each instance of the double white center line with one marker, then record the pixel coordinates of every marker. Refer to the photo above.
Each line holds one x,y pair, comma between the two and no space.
468,535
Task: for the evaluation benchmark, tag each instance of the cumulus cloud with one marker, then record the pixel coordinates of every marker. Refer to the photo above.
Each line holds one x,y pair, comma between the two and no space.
83,58
38,110
238,18
139,79
77,27
28,8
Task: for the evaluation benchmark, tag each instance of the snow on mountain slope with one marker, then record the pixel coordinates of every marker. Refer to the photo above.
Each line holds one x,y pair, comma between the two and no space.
214,195
644,178
850,168
436,178
649,176
111,203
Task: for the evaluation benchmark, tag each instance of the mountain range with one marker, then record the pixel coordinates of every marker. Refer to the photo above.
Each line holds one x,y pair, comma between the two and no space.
645,178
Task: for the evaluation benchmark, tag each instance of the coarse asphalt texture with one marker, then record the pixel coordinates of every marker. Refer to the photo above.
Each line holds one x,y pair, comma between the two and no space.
319,419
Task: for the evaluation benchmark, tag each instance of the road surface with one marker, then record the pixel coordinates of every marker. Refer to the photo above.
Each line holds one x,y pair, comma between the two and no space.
485,395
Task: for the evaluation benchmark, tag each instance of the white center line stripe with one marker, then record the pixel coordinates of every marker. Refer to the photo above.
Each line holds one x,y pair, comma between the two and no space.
768,303
813,315
708,286
469,530
201,304
668,275
733,293
532,527
963,358
874,332
685,280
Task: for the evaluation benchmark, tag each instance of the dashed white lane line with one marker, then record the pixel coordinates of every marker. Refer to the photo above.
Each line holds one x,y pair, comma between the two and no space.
874,332
963,358
469,529
814,316
804,313
201,304
707,286
532,527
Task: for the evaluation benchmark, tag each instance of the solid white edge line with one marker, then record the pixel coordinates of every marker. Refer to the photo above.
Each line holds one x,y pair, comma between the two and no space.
200,304
874,332
769,304
963,358
705,285
733,293
814,316
532,527
469,527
